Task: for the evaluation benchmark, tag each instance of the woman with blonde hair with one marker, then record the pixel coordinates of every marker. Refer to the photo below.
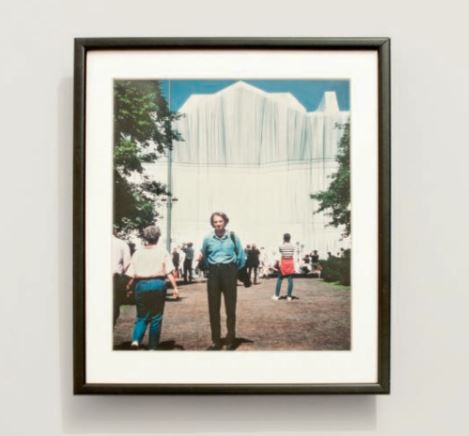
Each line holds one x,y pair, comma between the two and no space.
149,268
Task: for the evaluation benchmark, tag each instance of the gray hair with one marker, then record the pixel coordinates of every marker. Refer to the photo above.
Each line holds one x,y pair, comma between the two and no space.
221,215
151,234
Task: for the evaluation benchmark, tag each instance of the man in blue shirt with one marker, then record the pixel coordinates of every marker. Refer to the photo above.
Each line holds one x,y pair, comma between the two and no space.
223,256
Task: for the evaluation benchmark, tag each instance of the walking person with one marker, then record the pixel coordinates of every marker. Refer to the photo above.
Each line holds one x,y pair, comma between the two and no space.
264,263
253,262
286,267
188,258
149,268
120,262
223,256
176,259
182,256
247,250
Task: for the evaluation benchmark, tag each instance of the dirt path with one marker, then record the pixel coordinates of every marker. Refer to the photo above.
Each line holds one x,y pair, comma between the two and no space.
318,318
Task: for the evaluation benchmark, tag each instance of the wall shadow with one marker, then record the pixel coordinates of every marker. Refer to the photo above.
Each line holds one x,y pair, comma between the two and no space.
174,414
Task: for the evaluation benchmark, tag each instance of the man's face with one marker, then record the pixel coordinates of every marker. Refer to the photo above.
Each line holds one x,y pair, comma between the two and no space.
218,223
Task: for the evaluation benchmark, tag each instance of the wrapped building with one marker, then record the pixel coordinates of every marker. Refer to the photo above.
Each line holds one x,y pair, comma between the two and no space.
257,156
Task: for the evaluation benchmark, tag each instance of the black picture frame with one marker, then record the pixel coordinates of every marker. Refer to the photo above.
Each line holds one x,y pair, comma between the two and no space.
382,47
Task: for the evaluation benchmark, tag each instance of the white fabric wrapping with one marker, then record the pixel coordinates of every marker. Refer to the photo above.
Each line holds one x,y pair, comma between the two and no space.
258,157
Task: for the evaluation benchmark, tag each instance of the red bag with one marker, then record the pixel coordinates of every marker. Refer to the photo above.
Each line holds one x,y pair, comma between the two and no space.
287,266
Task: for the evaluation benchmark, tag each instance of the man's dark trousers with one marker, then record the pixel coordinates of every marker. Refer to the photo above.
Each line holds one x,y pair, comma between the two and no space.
222,279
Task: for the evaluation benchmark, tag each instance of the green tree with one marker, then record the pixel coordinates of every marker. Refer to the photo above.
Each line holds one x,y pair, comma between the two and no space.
335,201
142,133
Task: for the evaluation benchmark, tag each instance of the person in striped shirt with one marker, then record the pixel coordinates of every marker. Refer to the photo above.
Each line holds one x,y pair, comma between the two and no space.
286,267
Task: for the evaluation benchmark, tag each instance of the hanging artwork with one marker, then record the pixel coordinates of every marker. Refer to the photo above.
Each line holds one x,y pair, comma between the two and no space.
232,214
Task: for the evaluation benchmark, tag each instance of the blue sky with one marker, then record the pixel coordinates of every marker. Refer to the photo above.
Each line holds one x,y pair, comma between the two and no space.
308,92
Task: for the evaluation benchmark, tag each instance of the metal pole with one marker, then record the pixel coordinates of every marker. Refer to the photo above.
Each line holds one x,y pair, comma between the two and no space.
170,182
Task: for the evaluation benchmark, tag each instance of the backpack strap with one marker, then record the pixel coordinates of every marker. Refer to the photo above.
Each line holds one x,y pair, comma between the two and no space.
232,236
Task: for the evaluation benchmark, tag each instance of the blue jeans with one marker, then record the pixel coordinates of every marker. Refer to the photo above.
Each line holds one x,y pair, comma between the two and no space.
149,297
279,285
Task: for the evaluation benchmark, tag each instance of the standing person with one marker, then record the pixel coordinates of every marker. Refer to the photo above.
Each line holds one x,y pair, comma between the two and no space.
189,257
253,262
182,257
149,268
264,262
315,260
286,267
315,257
176,259
120,263
247,253
223,255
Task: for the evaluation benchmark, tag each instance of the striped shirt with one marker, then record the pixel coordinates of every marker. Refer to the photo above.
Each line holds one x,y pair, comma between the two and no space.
287,249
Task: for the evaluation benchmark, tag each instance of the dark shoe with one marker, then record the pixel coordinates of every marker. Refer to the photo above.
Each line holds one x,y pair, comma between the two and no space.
214,347
231,346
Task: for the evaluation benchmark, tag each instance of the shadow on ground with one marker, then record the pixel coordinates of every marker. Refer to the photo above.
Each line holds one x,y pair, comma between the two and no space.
237,342
163,346
317,318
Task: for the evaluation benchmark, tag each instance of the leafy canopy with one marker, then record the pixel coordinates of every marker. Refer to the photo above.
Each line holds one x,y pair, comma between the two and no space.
142,133
335,201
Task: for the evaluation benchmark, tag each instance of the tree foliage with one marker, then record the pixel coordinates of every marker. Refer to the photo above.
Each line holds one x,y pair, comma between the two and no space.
142,133
335,201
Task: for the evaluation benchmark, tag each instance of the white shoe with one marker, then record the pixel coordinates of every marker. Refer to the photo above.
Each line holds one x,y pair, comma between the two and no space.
289,299
134,345
274,297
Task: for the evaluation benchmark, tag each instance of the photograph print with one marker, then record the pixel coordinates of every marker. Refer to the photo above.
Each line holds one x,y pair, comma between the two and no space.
231,215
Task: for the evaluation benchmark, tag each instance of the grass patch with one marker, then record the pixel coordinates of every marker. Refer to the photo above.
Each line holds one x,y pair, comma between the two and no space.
337,286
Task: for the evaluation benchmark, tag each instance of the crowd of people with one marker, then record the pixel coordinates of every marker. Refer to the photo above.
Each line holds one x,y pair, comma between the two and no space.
260,263
222,260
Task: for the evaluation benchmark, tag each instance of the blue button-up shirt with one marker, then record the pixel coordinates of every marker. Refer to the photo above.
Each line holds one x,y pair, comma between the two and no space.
220,249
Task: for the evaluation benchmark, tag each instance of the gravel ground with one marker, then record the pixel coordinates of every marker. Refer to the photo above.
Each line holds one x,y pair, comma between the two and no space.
318,318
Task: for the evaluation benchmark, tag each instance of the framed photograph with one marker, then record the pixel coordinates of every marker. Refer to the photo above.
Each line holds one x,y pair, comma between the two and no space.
232,216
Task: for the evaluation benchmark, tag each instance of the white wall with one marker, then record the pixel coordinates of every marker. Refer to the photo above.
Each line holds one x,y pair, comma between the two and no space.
430,356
